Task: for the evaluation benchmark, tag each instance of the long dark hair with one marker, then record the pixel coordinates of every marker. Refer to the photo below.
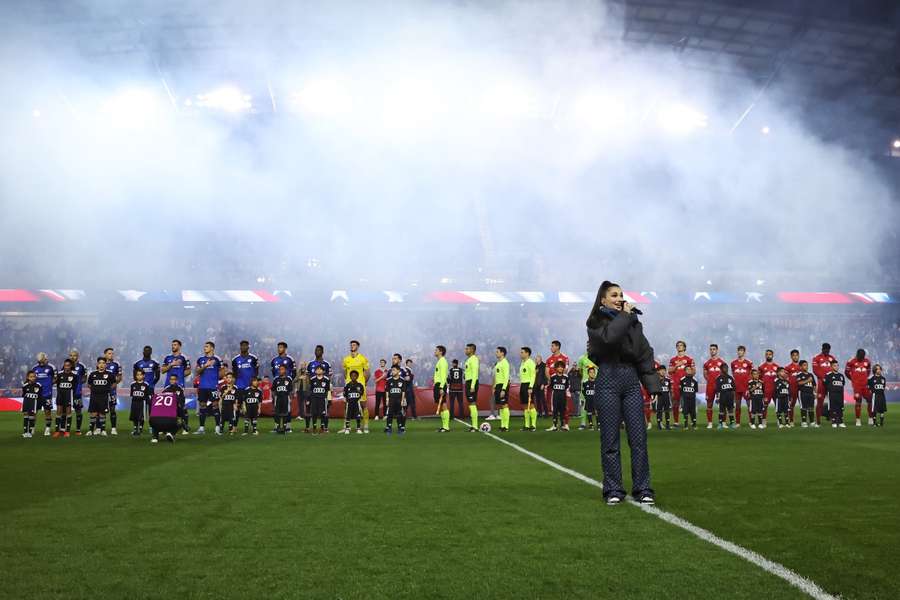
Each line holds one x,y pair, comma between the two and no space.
594,318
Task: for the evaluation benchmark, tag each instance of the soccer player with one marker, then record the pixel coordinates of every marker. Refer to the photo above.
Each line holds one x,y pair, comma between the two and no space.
559,385
782,398
556,356
381,375
244,367
527,376
396,396
66,380
821,366
319,397
688,387
81,372
282,386
100,382
792,368
472,369
712,368
141,393
876,384
113,366
440,388
181,405
354,396
164,413
410,377
806,385
589,392
31,396
180,366
768,373
501,387
359,363
252,398
457,384
834,384
725,395
46,375
151,370
664,399
677,365
229,397
740,370
281,358
858,370
757,397
210,369
540,385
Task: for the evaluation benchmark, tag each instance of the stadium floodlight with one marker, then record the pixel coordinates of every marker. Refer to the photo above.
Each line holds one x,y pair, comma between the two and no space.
681,119
324,97
228,99
896,144
131,108
765,130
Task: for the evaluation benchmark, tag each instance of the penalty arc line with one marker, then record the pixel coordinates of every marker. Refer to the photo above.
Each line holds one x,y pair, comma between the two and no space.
795,579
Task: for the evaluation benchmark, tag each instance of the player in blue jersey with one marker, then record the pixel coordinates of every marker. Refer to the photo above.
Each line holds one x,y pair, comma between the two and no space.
112,366
179,365
209,370
244,367
151,370
311,366
81,372
283,358
45,375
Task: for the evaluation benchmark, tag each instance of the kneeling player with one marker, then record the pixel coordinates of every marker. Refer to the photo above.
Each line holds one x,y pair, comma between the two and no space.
756,393
834,386
182,415
140,396
396,397
589,392
164,413
229,397
252,400
688,393
664,399
31,393
876,385
725,395
782,398
354,392
806,386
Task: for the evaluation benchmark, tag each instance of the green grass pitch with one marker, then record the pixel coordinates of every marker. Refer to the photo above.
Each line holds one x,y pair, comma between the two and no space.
454,515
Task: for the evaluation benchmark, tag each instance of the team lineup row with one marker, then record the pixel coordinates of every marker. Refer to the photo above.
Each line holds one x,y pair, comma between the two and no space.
227,394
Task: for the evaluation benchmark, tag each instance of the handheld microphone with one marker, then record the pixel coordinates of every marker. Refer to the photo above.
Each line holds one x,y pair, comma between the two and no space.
636,310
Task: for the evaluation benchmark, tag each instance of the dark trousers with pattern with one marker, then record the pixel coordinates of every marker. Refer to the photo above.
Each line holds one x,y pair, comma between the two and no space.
618,398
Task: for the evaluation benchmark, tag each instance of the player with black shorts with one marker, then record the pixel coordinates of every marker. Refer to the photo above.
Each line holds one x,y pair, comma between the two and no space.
782,398
725,396
66,382
876,384
806,386
228,396
113,366
46,375
282,386
78,402
100,382
252,398
181,405
756,393
395,388
559,385
456,389
319,397
354,395
31,395
834,387
439,389
589,392
527,375
688,396
472,369
141,395
664,399
209,370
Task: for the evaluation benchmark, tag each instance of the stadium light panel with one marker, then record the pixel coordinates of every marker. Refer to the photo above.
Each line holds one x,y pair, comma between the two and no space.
228,99
681,119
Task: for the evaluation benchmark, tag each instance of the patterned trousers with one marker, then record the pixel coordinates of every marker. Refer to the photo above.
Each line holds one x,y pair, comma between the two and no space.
618,398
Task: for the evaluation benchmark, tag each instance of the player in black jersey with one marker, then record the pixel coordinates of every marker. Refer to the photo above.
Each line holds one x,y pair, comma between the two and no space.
141,396
456,388
66,382
395,389
664,399
81,372
725,395
31,394
181,404
782,398
756,393
282,386
806,385
834,387
589,392
229,395
353,396
101,383
319,397
559,384
688,397
876,384
252,399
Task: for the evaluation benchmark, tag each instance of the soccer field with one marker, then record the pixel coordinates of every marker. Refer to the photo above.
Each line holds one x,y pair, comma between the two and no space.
456,515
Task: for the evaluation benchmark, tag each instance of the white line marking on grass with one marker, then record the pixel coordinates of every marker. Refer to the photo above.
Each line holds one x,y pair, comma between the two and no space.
779,570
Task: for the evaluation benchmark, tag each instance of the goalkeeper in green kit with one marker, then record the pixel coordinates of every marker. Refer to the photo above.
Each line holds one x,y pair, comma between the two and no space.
501,387
440,388
527,373
472,367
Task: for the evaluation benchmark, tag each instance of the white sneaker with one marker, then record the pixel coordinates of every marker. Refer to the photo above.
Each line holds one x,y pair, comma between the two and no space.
377,418
89,433
858,423
46,431
200,431
737,425
804,425
491,418
834,425
358,431
565,427
752,426
218,430
709,425
815,425
780,426
102,433
649,426
763,426
113,431
551,428
366,430
345,431
842,426
183,432
26,435
154,441
871,421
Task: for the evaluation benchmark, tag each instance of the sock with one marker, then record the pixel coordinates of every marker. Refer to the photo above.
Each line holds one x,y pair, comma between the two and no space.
534,417
25,421
730,419
858,409
709,412
48,421
401,420
102,423
590,420
79,417
325,420
445,418
185,421
365,416
253,422
359,422
504,417
112,418
246,425
473,414
721,418
881,420
390,420
307,420
584,417
58,422
217,415
202,412
527,416
68,423
668,417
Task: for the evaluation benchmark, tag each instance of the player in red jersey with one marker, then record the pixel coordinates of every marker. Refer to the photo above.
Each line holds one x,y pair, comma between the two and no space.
677,365
555,357
821,366
792,369
858,370
768,372
712,368
740,371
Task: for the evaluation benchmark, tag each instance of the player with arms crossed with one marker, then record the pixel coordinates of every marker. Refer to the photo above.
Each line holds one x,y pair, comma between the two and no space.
740,370
441,369
858,370
677,365
877,384
359,363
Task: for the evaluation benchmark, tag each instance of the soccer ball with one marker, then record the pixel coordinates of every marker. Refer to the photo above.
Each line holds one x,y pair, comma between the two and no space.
486,427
